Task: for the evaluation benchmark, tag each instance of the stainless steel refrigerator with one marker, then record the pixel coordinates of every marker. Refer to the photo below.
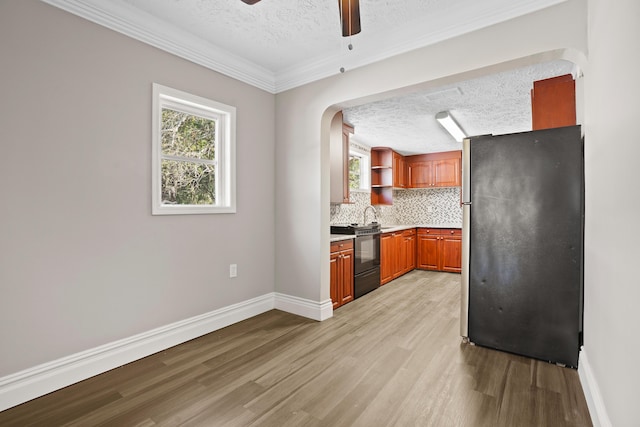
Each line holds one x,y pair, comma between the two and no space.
523,214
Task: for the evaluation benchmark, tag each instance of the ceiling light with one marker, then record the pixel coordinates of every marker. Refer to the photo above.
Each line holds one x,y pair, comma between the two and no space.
448,122
350,17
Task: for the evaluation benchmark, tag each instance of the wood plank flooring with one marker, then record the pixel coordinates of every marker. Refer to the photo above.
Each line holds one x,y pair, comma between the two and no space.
390,358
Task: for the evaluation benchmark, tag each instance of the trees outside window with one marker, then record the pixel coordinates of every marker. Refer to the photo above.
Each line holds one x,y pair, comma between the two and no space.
193,151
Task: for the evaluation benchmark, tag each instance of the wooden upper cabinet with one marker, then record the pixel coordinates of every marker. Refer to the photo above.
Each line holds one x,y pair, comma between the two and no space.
440,249
339,153
387,172
447,172
553,102
420,174
434,170
399,171
391,170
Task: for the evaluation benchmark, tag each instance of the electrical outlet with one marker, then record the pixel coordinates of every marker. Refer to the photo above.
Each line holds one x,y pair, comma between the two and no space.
233,270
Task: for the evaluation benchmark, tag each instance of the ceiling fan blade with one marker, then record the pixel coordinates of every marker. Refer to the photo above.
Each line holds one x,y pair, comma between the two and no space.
251,1
350,16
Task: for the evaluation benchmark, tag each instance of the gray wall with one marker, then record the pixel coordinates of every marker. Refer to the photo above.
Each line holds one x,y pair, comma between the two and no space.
82,261
612,286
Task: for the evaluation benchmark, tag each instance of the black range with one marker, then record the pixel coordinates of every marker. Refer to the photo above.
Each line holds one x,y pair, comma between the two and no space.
367,255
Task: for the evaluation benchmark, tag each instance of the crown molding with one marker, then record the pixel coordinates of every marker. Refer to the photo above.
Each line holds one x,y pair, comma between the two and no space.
139,25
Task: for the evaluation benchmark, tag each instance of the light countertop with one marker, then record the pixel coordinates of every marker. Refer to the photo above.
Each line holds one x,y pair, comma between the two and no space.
394,228
339,237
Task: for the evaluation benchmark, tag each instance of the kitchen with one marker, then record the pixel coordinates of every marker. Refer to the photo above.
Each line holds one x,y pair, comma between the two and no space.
289,260
410,181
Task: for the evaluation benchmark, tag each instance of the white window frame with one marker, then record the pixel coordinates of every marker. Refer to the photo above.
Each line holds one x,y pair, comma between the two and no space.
365,167
225,116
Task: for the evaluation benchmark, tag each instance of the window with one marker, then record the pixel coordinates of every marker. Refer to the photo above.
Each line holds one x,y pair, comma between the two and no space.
355,171
359,169
193,154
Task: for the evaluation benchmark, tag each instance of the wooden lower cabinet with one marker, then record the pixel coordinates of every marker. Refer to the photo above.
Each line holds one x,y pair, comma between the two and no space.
387,258
341,272
440,249
397,254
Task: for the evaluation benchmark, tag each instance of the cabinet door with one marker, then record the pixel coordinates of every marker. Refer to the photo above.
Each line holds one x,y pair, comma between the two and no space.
346,284
398,171
386,258
428,251
447,173
553,102
400,255
335,279
451,254
410,244
420,174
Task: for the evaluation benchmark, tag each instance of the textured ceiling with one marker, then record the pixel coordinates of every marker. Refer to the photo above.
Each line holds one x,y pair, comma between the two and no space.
280,44
495,104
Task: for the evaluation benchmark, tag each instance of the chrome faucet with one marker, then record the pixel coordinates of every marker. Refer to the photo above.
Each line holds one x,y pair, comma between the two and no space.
375,214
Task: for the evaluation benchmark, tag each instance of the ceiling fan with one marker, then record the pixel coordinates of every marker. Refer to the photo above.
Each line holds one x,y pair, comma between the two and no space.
349,15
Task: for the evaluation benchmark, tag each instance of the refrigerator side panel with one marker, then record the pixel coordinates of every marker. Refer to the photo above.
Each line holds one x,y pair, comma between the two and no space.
464,277
466,212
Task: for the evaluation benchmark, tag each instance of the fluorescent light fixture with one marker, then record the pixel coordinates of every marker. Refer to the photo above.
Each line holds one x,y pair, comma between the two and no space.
448,122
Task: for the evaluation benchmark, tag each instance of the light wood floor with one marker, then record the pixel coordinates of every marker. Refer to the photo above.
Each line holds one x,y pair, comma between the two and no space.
390,358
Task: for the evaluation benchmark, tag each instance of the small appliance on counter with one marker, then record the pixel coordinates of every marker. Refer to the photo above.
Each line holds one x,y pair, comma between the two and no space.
367,255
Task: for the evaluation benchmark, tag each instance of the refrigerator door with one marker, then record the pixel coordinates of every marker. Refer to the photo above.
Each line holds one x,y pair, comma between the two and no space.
525,243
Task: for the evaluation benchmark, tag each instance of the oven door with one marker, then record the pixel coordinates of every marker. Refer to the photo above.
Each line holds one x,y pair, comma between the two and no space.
367,252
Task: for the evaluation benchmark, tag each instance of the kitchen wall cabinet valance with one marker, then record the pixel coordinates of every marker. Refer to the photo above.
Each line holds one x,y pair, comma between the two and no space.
339,153
434,170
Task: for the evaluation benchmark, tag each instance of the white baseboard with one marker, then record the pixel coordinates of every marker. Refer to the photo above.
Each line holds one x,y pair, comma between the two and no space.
303,307
42,379
597,410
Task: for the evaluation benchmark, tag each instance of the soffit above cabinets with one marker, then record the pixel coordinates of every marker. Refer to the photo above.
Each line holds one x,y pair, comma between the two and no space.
281,44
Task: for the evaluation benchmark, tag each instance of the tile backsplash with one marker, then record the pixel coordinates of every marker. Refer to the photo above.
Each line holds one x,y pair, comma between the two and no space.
414,206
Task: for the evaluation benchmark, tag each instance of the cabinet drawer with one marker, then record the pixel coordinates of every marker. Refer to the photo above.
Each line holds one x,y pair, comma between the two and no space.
341,245
409,233
429,231
440,231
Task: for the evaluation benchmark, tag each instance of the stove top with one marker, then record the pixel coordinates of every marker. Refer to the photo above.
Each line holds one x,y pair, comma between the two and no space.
357,229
